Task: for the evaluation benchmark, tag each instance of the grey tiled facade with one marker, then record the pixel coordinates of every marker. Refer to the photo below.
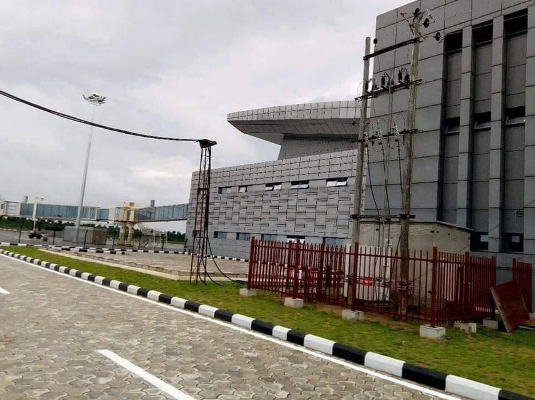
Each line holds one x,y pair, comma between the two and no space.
474,155
474,162
314,213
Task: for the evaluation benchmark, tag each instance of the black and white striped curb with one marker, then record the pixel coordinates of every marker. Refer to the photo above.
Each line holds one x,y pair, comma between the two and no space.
449,383
98,249
64,248
116,250
8,230
22,244
88,250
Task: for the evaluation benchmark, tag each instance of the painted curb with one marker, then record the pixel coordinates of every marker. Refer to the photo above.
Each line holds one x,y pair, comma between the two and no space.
435,379
104,250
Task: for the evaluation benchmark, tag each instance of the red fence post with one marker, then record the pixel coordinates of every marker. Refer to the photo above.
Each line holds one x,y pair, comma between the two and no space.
288,268
355,276
434,288
251,262
296,270
319,280
470,273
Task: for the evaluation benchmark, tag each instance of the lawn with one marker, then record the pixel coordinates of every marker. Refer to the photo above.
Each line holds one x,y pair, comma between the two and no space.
499,359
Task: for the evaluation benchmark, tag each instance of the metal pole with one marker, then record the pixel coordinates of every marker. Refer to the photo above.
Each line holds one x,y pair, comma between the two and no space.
359,202
20,229
251,263
407,178
82,190
360,186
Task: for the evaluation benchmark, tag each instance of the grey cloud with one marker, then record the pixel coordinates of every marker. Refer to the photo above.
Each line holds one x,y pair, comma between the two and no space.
167,67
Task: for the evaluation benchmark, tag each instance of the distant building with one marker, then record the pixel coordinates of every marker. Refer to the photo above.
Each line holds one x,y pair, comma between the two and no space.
474,163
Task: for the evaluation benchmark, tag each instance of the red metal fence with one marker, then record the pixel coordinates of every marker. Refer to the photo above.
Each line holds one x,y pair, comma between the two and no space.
311,272
523,275
435,288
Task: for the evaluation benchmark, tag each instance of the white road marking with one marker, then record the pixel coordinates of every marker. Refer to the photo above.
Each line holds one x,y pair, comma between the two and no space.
164,387
292,346
3,291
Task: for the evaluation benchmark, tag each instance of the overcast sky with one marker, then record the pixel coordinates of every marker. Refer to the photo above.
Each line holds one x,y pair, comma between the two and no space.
173,68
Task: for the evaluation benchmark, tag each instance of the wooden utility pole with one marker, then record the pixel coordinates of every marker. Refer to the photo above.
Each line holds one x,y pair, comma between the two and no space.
407,177
360,180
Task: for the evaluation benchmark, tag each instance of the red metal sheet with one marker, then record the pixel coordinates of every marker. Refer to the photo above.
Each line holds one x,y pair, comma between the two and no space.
511,304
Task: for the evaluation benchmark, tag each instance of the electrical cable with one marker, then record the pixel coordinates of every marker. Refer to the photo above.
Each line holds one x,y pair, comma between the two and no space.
83,121
217,266
210,276
371,185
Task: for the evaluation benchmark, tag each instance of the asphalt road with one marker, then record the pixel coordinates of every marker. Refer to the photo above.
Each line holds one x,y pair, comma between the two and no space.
61,337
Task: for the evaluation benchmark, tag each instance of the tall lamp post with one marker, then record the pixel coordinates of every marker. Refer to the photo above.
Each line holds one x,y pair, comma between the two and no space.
96,100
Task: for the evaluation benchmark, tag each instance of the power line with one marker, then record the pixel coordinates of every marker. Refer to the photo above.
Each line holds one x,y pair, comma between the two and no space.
83,121
371,186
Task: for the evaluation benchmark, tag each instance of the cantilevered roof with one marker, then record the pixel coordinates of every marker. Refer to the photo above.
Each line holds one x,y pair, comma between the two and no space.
330,120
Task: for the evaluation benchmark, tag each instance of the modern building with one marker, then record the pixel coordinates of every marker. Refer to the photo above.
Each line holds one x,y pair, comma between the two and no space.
474,154
304,195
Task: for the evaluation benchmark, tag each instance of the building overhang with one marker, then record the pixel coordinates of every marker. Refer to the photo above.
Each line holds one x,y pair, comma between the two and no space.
333,120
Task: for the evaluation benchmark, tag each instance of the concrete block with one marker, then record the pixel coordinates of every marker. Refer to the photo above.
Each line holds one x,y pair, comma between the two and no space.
242,320
491,324
293,303
433,333
383,363
467,327
248,292
353,315
470,389
319,344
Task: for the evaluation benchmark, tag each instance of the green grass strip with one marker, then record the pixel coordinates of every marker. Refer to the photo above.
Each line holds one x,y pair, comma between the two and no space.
503,360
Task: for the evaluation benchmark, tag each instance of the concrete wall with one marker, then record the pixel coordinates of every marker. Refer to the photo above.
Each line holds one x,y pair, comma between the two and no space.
424,235
89,235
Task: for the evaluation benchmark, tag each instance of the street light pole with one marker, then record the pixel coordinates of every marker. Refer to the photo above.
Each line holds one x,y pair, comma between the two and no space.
96,100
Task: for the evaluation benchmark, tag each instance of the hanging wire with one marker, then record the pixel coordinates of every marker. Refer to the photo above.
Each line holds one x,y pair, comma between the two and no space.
371,185
83,121
217,266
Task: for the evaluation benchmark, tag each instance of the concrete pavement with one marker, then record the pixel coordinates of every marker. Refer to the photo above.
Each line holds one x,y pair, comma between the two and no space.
52,328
